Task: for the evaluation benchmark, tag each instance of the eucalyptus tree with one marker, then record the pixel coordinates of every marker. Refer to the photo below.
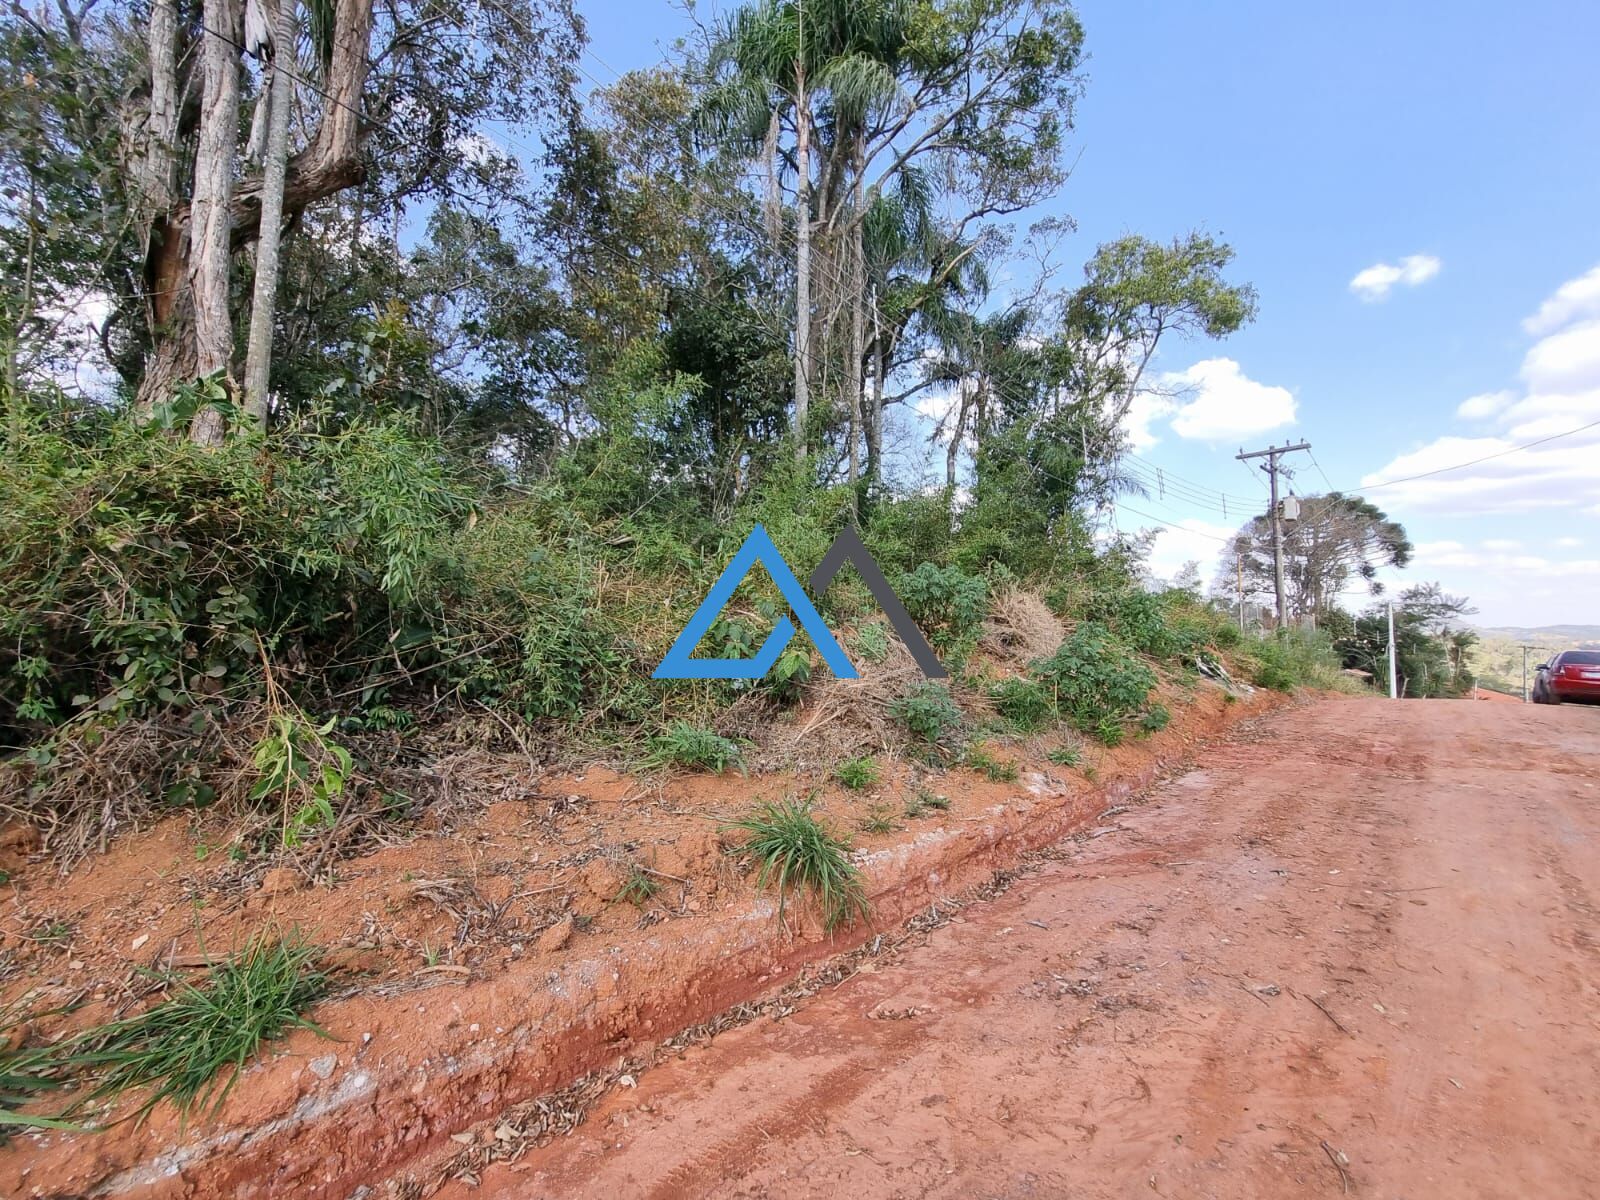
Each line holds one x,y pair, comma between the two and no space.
841,100
385,106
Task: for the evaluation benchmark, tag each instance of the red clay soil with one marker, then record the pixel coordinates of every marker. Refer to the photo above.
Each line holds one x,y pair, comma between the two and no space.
487,960
1356,953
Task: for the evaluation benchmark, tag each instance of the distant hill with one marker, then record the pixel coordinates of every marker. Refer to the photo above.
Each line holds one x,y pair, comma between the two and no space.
1544,634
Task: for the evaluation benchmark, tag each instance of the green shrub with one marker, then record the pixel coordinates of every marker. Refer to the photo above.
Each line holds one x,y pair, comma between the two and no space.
1111,731
300,769
1096,680
1026,703
789,676
685,745
858,773
929,712
1138,618
1155,720
141,572
794,852
1292,658
947,604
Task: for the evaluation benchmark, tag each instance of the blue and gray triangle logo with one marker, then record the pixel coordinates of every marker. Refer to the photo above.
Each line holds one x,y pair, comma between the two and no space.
847,550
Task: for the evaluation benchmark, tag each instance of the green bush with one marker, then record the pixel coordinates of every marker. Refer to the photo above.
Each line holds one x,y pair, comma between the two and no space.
1095,679
929,712
947,604
858,773
1026,703
1292,658
140,572
1155,720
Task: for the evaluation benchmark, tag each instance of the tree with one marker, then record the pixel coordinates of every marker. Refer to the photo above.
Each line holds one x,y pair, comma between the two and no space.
1337,540
1430,652
842,100
1136,293
263,305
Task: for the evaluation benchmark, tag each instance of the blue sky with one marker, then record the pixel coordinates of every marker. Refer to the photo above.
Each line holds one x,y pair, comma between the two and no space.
1448,158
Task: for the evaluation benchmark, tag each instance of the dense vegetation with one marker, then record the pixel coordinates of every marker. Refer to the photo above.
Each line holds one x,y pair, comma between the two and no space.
469,430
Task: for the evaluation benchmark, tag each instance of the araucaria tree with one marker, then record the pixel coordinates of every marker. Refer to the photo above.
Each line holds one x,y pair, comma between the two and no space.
1338,542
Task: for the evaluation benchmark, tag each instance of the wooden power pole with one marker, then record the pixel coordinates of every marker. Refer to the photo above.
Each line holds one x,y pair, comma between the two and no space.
1271,467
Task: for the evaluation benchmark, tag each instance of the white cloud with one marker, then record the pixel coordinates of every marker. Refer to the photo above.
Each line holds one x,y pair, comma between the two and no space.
1147,408
1576,298
1431,557
1560,392
1569,543
1484,405
937,404
1223,402
1566,360
1375,282
1504,545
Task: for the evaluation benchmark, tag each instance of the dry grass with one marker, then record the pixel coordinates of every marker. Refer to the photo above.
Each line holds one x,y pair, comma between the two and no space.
844,718
1020,628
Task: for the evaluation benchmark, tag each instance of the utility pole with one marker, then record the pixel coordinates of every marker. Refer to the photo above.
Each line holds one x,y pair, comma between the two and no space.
1238,567
1525,650
1271,467
1394,683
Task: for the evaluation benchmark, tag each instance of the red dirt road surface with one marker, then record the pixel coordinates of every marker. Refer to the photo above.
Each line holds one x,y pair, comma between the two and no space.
1355,953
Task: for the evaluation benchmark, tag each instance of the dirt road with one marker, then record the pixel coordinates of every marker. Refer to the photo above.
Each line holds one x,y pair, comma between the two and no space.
1356,953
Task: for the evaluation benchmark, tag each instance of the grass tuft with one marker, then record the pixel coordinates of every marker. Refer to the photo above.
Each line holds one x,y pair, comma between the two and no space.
858,773
687,746
997,769
794,851
1066,756
180,1047
639,888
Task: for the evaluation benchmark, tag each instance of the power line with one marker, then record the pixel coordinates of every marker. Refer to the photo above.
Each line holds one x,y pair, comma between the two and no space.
1486,458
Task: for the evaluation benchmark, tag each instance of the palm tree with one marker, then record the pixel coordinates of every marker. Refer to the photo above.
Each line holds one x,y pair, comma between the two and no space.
818,74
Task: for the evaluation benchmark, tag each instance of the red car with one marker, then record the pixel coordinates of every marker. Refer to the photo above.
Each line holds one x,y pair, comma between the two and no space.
1570,675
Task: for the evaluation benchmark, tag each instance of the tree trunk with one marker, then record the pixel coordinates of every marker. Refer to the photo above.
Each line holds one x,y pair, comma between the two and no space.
164,235
857,349
328,165
258,356
950,456
802,265
158,172
875,404
210,234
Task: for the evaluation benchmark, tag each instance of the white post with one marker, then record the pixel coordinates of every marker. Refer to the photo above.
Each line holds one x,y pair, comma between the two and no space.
1394,685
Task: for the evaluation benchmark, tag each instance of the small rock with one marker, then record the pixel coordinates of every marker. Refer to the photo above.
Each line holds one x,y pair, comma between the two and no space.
279,881
557,936
323,1067
139,941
